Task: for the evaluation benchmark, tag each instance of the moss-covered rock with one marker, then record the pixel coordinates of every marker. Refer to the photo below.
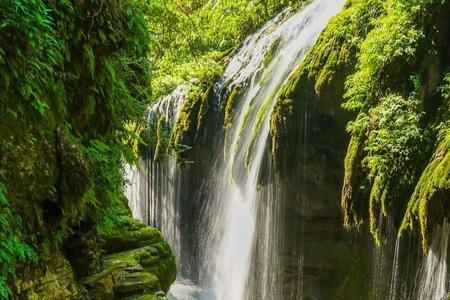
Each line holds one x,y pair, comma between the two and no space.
132,234
123,258
318,83
400,65
191,125
162,136
272,51
230,106
384,60
131,247
143,271
52,278
430,201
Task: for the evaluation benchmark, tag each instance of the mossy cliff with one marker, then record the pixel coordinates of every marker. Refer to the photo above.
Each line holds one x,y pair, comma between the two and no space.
318,84
385,62
191,128
73,76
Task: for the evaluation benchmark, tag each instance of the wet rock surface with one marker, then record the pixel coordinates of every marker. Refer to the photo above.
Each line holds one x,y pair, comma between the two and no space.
136,264
53,278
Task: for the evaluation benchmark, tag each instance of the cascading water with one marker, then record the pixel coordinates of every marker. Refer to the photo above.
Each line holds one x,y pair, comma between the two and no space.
239,241
432,275
153,189
244,200
157,184
238,236
243,209
154,193
405,261
393,290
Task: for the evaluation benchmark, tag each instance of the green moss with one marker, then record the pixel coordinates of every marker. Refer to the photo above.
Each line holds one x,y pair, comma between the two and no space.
162,137
51,278
320,77
231,106
257,126
388,90
377,208
204,109
130,242
394,41
373,55
271,52
192,119
242,126
427,205
427,202
253,108
352,218
69,93
185,127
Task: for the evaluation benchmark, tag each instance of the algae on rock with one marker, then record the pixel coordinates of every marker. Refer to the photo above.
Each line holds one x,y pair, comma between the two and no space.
377,57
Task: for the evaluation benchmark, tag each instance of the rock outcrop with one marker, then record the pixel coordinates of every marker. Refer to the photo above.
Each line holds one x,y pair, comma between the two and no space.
138,263
132,261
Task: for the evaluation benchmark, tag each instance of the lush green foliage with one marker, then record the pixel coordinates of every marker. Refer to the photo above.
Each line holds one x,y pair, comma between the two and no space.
385,59
74,75
191,39
392,134
393,141
427,202
12,247
395,40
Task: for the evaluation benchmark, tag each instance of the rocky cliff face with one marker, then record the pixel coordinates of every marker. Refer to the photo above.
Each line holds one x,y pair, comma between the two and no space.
399,65
397,70
387,64
132,261
69,97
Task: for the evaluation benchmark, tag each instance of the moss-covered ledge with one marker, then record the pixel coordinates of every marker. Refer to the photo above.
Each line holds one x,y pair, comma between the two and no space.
385,63
137,260
194,124
317,86
398,145
130,260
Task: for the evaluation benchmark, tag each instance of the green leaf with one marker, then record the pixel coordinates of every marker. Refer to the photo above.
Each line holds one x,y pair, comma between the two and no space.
90,107
90,58
40,106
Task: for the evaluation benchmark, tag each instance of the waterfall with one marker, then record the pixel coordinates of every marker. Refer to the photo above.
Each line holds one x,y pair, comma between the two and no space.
432,277
153,189
241,242
245,197
153,197
236,234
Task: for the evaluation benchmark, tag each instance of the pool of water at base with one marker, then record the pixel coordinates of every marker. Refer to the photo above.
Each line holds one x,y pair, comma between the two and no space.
184,289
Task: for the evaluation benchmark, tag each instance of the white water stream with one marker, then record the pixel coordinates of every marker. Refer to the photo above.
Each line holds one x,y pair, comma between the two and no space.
243,201
241,243
154,187
432,277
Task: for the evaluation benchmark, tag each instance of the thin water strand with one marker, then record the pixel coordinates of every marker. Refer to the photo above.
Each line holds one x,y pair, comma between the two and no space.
433,273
